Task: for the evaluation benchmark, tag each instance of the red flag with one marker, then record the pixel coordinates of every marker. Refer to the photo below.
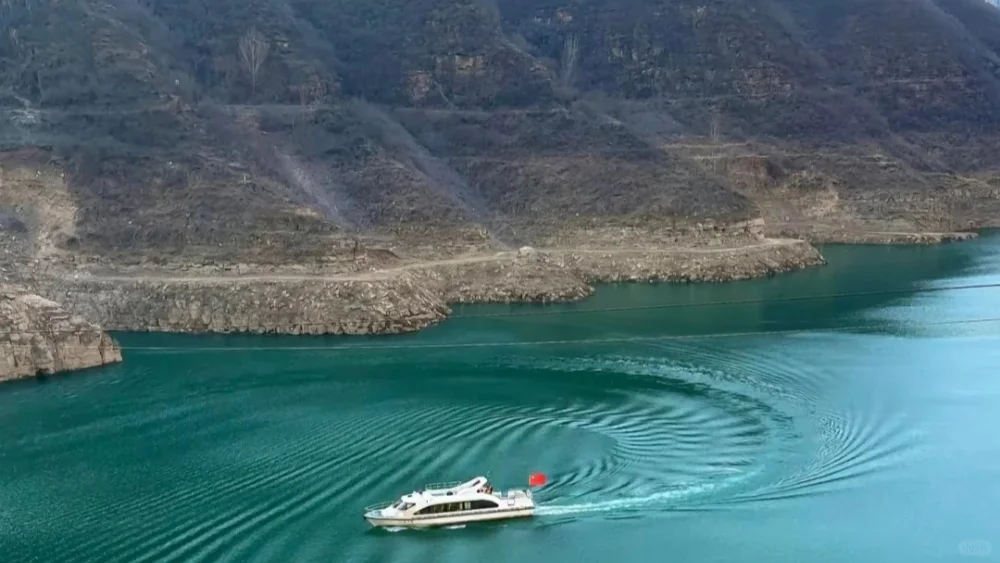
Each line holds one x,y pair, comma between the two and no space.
536,479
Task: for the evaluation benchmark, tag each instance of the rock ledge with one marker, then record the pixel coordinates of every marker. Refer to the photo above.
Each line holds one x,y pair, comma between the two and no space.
38,336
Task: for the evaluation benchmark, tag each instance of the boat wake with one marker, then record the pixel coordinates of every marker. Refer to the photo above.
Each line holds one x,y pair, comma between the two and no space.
629,504
722,430
621,433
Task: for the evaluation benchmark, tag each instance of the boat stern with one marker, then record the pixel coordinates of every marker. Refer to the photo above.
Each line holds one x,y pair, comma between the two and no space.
521,498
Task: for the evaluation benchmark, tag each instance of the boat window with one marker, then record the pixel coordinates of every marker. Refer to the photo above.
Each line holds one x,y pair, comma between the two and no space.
440,508
454,506
406,506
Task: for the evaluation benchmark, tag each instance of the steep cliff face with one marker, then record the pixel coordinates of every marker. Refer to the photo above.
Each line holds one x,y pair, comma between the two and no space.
39,336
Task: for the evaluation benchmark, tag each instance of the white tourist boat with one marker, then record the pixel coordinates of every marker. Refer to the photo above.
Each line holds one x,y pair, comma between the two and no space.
446,504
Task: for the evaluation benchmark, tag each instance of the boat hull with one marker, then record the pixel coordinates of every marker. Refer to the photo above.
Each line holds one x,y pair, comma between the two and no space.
449,520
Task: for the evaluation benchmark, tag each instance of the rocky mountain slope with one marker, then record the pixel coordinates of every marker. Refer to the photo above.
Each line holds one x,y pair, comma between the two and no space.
369,161
281,130
39,336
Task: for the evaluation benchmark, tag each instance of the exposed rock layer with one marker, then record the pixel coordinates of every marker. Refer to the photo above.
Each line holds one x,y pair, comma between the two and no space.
405,299
888,238
274,306
40,336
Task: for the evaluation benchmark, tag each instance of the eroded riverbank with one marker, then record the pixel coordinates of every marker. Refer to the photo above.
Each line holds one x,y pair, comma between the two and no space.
401,299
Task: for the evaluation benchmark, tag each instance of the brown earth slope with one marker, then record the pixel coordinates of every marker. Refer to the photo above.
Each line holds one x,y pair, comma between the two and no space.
485,122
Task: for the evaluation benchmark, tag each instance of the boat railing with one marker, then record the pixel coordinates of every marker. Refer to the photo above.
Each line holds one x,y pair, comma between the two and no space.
445,485
379,506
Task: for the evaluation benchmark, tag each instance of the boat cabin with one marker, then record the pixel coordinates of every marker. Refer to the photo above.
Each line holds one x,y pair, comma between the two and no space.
445,507
442,498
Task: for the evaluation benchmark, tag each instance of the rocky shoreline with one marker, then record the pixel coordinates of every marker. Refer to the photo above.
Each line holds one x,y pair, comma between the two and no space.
406,299
48,332
41,337
883,238
257,307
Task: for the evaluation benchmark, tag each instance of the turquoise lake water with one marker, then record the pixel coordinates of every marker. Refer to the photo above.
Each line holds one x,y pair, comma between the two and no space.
753,421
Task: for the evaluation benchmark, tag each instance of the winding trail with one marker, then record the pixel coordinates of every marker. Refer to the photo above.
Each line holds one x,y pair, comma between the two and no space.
430,264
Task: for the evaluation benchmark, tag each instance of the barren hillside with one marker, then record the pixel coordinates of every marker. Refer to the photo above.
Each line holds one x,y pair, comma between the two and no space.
286,130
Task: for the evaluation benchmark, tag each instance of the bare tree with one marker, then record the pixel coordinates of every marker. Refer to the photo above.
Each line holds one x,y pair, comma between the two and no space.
312,91
716,133
571,48
253,53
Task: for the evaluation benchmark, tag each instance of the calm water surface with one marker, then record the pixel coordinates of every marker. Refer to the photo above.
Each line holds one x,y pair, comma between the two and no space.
855,429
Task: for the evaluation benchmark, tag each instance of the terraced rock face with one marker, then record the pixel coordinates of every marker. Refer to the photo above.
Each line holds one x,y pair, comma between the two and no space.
163,130
39,336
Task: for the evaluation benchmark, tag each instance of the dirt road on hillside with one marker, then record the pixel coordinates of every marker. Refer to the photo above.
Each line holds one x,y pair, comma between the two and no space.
431,264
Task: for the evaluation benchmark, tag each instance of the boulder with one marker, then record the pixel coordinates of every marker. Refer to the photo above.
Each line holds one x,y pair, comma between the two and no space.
38,336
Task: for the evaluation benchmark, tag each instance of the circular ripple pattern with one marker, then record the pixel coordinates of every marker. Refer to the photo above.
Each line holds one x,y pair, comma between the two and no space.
255,467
